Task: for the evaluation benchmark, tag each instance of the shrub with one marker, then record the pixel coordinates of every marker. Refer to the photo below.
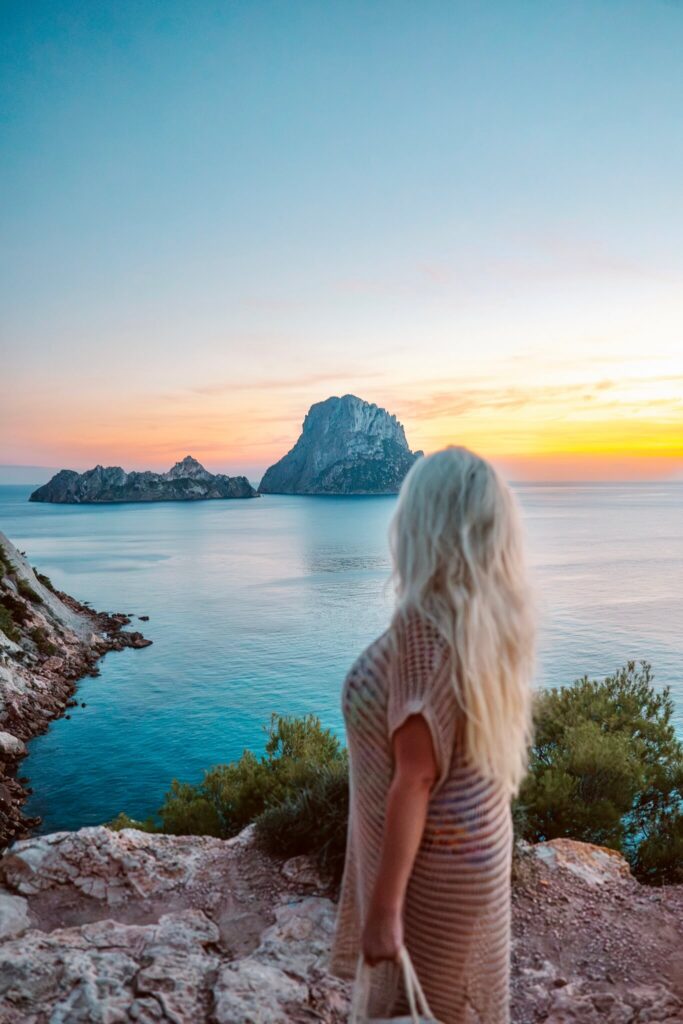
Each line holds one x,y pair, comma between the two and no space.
312,821
40,639
606,768
7,624
187,812
659,857
45,580
27,591
18,609
231,796
123,821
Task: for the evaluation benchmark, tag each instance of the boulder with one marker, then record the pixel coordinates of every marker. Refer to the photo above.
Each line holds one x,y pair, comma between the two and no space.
105,971
593,864
302,872
105,865
11,746
14,916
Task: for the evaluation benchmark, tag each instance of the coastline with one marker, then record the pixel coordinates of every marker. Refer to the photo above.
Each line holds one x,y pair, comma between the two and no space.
55,640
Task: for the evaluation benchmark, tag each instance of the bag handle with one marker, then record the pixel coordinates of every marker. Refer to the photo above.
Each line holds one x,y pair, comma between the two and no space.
417,1001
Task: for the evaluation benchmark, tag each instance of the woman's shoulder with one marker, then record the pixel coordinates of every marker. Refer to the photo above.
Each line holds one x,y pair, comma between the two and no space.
414,631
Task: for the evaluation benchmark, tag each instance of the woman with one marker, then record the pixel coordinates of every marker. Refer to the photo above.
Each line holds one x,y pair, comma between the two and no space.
437,713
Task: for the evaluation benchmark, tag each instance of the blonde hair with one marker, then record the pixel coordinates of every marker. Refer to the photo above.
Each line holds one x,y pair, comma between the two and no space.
456,542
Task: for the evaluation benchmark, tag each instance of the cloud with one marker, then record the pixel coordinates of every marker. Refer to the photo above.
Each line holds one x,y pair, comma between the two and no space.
457,397
281,384
464,398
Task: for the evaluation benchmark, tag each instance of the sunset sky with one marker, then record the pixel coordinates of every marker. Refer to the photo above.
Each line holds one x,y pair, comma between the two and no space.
216,213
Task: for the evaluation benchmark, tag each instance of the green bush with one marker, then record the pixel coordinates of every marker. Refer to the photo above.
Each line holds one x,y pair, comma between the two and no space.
187,812
27,591
7,624
40,639
231,796
45,580
606,768
658,858
312,821
123,821
18,609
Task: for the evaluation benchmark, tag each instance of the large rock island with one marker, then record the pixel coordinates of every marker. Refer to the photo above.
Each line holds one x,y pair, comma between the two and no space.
347,446
186,481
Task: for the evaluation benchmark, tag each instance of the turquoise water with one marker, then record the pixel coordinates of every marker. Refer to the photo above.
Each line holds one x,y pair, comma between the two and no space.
260,606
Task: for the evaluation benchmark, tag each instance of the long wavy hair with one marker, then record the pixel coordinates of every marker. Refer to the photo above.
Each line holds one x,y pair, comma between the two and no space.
458,558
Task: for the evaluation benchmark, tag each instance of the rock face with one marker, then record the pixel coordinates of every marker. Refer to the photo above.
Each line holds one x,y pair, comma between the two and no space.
116,926
186,481
347,446
47,642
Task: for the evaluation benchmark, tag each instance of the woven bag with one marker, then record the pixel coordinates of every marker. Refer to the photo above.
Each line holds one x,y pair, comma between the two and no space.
417,1001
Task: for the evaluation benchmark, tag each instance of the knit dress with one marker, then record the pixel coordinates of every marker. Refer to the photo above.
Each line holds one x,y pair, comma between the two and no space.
457,907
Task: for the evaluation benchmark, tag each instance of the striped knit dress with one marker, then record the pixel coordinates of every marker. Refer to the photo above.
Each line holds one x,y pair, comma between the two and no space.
457,907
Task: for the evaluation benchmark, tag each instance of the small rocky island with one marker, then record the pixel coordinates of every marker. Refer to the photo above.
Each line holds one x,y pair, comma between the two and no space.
186,481
347,446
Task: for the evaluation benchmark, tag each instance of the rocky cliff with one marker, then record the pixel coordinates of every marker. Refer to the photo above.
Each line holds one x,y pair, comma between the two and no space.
347,446
186,481
124,926
48,641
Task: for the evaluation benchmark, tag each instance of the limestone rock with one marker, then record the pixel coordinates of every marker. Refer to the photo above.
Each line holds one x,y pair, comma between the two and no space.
97,971
643,1004
11,745
256,993
302,872
302,934
347,446
103,864
14,916
287,971
594,864
175,968
186,481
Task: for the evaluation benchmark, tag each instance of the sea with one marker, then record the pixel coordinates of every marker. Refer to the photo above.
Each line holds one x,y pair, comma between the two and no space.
260,606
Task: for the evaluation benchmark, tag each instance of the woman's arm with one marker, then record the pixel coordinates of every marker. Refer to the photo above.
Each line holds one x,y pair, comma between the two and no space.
415,772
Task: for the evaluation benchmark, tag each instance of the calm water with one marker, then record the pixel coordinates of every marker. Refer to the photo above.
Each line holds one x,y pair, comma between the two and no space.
260,606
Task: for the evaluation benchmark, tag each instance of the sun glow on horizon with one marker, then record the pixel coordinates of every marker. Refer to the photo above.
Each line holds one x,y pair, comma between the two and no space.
468,214
549,424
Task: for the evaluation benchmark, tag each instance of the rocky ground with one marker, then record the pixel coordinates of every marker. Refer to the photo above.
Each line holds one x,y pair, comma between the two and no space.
101,926
48,641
